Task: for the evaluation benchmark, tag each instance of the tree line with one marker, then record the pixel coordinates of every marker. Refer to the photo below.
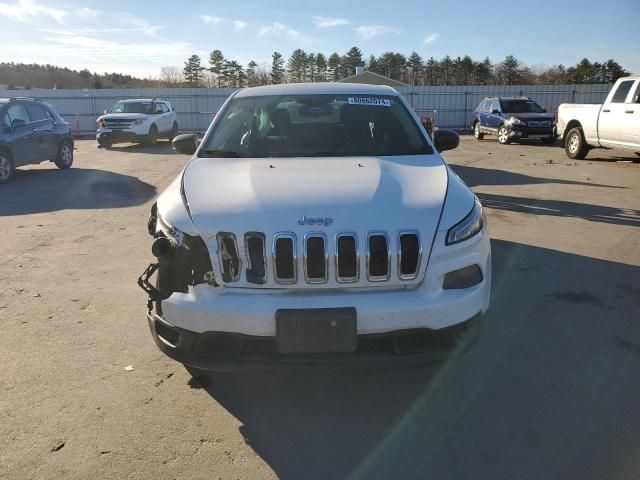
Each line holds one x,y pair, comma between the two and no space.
34,75
301,66
412,70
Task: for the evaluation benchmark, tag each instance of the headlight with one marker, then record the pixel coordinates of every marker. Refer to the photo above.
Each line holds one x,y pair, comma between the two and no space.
469,226
100,122
139,121
516,121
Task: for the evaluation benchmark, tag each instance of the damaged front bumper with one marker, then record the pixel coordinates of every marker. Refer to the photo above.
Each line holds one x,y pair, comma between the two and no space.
224,351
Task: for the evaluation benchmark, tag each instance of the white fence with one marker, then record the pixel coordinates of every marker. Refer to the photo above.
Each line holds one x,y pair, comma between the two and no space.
452,105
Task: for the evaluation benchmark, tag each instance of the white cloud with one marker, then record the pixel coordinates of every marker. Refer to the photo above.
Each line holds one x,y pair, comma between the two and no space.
28,11
87,13
238,25
432,37
328,22
366,32
279,30
100,40
209,20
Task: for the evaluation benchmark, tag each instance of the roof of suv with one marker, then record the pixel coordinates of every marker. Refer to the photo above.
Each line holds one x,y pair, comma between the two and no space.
324,88
506,98
133,100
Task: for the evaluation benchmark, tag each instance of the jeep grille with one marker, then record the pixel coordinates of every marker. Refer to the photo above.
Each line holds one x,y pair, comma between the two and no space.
323,258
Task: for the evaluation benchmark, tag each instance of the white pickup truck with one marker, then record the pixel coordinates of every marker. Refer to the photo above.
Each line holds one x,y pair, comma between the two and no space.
614,124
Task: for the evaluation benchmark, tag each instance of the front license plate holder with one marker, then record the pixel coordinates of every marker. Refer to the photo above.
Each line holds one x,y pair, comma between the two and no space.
316,330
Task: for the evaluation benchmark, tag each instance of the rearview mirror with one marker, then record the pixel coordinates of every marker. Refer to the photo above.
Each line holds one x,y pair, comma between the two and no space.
185,143
445,140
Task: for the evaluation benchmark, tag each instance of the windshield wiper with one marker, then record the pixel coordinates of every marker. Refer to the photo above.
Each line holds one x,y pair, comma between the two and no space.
208,153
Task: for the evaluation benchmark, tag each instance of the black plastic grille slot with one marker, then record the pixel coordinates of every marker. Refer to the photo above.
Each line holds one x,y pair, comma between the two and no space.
285,259
229,258
255,249
347,258
409,256
315,259
378,257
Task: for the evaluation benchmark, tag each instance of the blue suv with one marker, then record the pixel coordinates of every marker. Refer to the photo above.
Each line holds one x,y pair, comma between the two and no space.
513,118
31,131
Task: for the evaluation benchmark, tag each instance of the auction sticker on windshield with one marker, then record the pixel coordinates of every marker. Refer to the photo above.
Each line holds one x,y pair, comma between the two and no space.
383,102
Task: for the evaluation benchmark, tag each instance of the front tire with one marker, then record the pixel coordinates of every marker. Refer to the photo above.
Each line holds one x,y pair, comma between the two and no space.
476,131
152,138
65,155
503,136
576,146
7,169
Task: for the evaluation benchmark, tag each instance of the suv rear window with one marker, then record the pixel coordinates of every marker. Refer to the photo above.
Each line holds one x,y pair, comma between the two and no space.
315,125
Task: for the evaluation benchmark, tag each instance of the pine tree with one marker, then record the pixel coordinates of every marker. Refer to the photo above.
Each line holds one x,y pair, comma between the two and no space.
509,70
414,62
193,71
252,79
216,64
277,68
334,67
351,60
296,65
321,67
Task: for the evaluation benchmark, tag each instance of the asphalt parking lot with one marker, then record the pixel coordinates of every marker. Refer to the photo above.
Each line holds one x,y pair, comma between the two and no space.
551,390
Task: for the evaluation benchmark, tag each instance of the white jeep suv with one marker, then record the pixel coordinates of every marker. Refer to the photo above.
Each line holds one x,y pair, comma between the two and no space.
316,224
141,120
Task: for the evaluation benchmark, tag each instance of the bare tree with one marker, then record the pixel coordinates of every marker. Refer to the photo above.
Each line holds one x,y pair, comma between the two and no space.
171,76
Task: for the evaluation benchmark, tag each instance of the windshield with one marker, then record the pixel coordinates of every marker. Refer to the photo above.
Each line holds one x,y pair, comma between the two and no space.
521,106
132,107
315,125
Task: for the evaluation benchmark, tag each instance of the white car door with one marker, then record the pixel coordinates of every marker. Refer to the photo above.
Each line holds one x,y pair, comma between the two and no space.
612,115
159,116
630,125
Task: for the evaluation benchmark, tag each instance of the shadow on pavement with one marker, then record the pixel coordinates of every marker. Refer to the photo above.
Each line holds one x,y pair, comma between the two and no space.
550,390
475,176
561,208
163,147
49,190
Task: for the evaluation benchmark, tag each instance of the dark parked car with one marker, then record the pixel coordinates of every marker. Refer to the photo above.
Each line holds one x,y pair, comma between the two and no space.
513,118
31,132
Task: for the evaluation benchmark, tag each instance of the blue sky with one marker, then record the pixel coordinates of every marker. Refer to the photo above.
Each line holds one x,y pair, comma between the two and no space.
140,37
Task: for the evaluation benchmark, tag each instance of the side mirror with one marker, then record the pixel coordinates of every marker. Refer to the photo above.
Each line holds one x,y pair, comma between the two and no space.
495,112
445,140
544,110
106,111
159,111
185,143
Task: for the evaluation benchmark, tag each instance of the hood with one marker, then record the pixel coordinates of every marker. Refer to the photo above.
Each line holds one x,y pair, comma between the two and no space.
123,116
358,194
343,194
530,116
